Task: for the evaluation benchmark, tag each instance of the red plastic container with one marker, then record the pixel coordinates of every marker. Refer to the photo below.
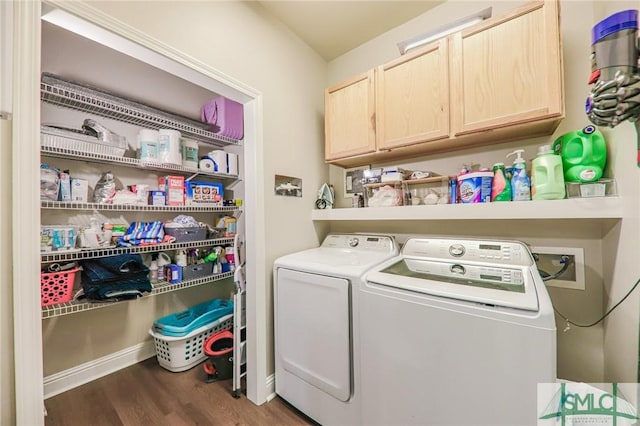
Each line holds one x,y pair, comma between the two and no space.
57,287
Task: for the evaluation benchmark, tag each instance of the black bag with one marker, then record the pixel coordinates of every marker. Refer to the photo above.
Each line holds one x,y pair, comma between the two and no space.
118,277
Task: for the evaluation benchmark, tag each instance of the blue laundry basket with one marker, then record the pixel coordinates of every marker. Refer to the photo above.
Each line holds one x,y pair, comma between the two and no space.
182,323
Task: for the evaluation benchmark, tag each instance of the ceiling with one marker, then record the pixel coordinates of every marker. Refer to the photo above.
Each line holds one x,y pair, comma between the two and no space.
333,28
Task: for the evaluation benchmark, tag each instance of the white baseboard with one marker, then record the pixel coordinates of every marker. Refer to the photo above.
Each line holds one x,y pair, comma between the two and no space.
84,373
271,387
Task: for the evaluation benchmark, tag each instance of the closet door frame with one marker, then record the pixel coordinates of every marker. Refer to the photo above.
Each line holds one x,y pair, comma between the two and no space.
28,363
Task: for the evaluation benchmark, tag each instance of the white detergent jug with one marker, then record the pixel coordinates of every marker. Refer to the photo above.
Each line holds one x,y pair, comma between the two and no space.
547,178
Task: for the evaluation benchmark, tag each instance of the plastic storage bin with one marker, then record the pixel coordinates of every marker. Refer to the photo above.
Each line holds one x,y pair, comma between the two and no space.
182,353
600,188
199,270
431,190
52,137
57,287
186,234
184,322
384,194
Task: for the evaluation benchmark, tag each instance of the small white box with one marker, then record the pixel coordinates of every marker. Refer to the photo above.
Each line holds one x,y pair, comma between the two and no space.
79,190
65,186
393,174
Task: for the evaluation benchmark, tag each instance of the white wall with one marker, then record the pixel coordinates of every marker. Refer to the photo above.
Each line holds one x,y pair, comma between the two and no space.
581,351
7,409
242,41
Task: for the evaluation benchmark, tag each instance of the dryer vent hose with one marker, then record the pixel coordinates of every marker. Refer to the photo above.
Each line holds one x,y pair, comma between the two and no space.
565,260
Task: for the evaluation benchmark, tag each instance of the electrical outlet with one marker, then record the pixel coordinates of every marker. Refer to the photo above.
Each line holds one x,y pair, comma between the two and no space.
549,261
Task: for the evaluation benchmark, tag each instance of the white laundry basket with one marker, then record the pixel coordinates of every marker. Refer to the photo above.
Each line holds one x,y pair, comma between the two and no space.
182,353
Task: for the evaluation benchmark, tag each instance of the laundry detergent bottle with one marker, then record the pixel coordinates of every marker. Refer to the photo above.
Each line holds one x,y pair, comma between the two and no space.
520,183
547,180
583,153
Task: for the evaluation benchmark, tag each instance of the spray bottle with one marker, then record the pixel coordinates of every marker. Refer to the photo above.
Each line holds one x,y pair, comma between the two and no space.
520,183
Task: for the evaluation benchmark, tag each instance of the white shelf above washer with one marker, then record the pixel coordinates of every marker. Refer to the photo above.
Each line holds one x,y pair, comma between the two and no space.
574,208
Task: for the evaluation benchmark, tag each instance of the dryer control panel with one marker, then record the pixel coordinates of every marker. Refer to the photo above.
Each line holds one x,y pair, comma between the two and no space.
361,242
496,252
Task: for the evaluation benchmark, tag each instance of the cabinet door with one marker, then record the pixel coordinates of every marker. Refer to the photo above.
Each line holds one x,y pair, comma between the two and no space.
349,118
508,71
412,98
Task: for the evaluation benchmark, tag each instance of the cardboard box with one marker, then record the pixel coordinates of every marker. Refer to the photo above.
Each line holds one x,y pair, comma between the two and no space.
79,190
157,198
211,193
65,186
174,189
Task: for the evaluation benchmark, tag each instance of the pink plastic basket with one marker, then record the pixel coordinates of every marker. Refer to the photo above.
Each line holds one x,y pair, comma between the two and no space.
57,287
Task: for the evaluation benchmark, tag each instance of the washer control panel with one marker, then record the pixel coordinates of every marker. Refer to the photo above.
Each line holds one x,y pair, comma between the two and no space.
489,251
478,273
360,242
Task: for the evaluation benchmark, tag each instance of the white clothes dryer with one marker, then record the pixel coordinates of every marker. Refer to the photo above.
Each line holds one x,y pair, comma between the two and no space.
455,332
316,324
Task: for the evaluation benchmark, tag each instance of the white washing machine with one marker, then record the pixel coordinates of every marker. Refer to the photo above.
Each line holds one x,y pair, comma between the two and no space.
455,332
316,323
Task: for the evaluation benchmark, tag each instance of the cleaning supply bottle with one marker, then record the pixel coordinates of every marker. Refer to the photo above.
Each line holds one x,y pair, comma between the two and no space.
547,180
500,186
163,261
520,183
583,153
153,269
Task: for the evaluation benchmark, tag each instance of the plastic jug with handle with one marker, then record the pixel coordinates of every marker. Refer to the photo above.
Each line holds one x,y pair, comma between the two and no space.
584,154
547,182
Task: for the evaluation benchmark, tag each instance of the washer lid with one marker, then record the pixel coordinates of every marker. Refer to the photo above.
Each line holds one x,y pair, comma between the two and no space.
490,284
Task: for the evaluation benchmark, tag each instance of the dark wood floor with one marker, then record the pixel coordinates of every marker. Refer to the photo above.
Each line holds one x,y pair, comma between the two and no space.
147,394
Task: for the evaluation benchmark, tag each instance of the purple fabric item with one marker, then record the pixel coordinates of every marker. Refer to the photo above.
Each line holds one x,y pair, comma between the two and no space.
225,116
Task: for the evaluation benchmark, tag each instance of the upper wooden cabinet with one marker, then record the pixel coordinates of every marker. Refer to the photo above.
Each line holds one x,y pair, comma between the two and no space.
350,118
412,98
507,70
498,81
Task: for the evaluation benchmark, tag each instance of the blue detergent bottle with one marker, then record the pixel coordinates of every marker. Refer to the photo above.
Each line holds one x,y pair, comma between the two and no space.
520,183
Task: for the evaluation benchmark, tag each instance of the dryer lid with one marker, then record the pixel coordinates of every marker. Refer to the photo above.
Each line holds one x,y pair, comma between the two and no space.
342,255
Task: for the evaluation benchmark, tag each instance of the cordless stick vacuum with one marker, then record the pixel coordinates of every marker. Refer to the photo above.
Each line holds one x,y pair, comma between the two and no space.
615,94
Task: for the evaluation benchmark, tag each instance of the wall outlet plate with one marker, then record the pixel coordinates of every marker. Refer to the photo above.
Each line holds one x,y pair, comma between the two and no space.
548,262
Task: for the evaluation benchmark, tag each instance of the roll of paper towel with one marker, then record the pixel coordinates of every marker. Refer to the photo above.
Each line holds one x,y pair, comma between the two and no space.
189,153
207,165
232,164
169,147
148,144
220,158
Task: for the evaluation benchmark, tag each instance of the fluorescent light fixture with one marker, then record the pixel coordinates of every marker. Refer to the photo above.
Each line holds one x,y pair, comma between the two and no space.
444,31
